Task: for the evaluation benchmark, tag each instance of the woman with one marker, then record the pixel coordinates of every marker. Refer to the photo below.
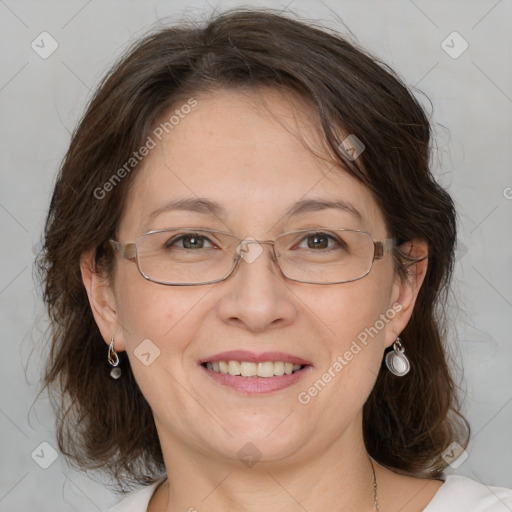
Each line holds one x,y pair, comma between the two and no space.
244,256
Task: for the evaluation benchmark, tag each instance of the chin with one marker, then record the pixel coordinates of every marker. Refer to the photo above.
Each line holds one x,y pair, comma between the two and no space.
260,442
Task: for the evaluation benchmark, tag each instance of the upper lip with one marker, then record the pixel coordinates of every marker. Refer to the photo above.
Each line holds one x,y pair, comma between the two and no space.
252,357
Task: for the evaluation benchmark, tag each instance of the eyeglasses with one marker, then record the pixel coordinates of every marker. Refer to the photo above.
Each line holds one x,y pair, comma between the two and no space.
191,256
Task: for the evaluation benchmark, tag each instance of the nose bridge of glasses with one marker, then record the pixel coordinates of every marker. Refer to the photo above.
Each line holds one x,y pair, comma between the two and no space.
244,252
249,240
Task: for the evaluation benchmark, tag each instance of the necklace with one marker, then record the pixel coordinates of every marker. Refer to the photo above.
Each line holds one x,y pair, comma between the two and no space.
375,500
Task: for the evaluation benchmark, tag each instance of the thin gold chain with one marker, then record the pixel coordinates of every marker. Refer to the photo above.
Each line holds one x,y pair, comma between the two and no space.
375,500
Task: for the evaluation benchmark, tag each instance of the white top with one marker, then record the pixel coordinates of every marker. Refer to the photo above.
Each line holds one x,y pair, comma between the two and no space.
457,494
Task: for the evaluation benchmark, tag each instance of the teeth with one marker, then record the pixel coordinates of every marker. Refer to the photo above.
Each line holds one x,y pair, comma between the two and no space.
234,368
246,369
267,369
278,368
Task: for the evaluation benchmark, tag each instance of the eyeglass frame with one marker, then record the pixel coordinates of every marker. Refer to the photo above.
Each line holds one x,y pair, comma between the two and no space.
128,251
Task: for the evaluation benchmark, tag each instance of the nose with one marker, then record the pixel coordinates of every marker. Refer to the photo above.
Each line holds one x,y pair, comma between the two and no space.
256,295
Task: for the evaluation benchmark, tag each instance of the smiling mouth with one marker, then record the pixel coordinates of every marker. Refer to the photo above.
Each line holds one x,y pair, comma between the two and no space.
267,369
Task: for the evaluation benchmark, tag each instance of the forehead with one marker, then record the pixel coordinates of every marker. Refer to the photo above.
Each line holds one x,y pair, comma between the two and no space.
255,154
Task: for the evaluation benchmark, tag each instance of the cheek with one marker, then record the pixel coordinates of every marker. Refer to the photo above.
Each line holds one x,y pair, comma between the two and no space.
350,310
353,319
160,314
146,309
158,326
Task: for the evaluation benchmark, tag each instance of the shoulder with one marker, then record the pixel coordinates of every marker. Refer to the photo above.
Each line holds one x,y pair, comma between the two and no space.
138,500
459,493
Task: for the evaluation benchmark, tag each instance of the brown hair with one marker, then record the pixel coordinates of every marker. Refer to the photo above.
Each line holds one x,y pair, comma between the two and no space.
107,424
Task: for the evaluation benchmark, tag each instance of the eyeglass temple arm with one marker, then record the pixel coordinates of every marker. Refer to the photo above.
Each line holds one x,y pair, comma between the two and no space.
127,251
382,248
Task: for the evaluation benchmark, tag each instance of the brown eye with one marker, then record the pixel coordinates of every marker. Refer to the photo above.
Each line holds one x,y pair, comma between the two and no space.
322,241
189,241
318,242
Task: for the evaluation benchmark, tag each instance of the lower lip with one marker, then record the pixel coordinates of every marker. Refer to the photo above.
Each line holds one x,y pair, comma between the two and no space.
257,385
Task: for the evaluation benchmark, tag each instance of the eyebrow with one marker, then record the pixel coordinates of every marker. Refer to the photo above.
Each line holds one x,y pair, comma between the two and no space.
209,207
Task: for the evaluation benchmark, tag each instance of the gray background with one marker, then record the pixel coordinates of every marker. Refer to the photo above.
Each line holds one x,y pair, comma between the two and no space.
41,101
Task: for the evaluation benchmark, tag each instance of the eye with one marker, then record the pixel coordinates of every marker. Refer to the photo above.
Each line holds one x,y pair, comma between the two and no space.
189,241
321,241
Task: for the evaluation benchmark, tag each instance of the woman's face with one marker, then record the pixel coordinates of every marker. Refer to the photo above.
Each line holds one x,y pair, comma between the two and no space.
232,150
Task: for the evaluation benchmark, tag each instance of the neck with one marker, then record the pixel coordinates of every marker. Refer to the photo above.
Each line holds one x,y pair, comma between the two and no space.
341,474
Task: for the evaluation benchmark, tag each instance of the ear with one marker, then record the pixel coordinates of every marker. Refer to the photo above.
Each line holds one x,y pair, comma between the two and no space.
405,290
101,299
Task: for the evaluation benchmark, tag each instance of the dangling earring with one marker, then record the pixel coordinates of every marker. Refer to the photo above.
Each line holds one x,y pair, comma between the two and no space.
113,360
396,361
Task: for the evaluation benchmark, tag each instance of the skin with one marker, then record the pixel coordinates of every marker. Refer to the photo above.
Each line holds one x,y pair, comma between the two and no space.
231,149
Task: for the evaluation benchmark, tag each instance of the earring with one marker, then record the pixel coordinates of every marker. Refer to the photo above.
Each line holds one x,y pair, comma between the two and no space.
113,360
396,361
